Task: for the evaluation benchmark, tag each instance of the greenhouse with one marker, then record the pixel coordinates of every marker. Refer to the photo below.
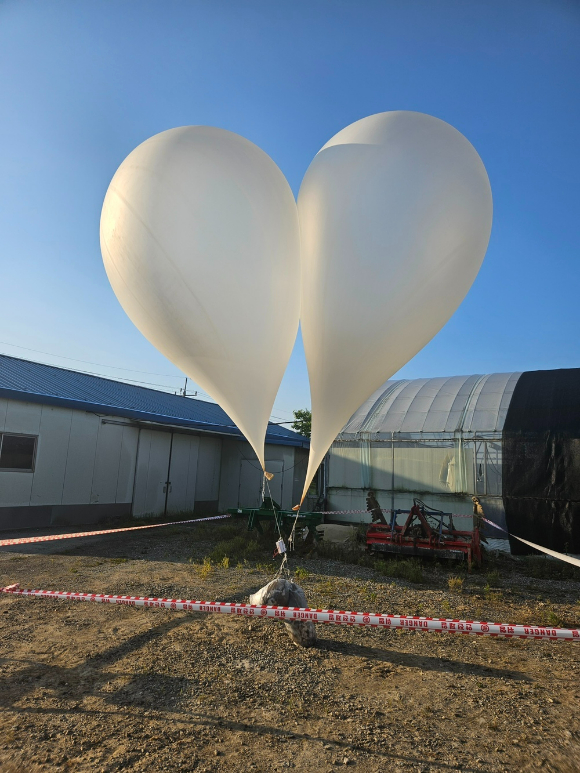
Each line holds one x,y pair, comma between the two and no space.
511,439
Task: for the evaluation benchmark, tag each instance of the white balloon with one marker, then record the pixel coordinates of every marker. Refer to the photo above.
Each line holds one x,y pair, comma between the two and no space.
200,240
395,216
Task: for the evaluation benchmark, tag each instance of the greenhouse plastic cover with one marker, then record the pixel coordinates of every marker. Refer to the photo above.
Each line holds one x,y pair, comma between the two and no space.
432,405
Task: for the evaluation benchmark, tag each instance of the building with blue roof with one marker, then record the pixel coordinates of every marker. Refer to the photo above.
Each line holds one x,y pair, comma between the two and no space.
78,448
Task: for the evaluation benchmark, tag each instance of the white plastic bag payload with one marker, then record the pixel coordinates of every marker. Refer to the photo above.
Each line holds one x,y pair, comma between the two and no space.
284,593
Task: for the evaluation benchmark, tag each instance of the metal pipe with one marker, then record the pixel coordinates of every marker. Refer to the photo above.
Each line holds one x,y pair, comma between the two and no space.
168,482
485,468
422,440
158,427
392,470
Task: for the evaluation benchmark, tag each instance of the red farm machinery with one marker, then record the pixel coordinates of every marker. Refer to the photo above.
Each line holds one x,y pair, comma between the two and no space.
426,532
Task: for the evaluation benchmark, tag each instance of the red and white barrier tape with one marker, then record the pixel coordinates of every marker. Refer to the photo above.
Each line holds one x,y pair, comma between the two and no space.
53,537
317,615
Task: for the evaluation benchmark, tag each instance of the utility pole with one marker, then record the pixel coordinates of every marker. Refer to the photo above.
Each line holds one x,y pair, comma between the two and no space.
183,391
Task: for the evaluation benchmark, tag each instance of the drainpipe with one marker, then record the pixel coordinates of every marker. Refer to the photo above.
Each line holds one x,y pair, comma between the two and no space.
392,470
168,482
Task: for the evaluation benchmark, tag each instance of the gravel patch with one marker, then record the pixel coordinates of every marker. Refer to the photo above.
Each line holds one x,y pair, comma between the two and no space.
96,688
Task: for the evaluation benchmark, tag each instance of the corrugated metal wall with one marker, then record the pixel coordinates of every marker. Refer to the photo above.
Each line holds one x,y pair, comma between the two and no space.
79,460
101,463
241,475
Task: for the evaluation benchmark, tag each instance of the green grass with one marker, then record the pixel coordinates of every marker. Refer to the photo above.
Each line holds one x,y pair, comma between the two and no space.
493,578
491,595
548,569
238,549
455,583
409,569
301,574
552,618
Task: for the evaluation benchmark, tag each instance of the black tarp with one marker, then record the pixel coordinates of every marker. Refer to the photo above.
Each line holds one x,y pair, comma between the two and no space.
541,461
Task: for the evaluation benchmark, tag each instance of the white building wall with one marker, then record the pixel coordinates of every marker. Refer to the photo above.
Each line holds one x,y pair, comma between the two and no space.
208,471
286,454
127,459
240,466
84,462
16,487
51,456
152,469
80,459
183,474
114,465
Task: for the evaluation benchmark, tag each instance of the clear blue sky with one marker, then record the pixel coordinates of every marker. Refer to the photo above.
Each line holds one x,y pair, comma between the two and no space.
82,83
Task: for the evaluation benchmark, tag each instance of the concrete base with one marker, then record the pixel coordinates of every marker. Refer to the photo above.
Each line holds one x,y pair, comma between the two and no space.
209,506
44,516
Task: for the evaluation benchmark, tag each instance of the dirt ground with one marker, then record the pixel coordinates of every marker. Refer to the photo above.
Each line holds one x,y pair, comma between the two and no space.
89,687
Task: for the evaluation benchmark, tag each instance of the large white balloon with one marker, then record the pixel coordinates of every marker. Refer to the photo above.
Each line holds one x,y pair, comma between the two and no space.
395,216
200,239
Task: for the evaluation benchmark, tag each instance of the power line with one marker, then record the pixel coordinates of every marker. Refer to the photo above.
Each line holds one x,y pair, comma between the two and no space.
86,362
167,388
100,365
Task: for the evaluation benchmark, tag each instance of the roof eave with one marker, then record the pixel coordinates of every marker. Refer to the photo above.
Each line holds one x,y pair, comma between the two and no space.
127,413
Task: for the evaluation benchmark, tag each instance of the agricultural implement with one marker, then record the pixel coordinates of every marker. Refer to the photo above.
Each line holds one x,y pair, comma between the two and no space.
426,532
271,512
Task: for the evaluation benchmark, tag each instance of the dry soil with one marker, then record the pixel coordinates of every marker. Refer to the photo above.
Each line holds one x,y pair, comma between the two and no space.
87,687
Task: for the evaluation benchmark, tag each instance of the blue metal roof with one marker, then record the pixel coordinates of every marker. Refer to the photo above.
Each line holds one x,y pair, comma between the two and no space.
35,382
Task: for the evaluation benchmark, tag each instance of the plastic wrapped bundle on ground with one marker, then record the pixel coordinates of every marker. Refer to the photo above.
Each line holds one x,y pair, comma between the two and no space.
284,593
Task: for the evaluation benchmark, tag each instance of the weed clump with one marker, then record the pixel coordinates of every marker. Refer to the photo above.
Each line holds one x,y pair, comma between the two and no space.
455,583
408,569
494,596
493,579
237,549
551,618
301,574
206,569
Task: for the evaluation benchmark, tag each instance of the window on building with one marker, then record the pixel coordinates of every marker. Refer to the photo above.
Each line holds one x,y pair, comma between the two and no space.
17,452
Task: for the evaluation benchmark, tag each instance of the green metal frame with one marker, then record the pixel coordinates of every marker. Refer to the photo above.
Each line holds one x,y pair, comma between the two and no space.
283,519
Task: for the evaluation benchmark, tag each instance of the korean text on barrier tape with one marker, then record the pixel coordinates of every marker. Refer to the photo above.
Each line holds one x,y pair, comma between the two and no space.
317,615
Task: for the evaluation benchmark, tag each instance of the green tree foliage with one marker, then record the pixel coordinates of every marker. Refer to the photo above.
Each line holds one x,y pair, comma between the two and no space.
302,421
